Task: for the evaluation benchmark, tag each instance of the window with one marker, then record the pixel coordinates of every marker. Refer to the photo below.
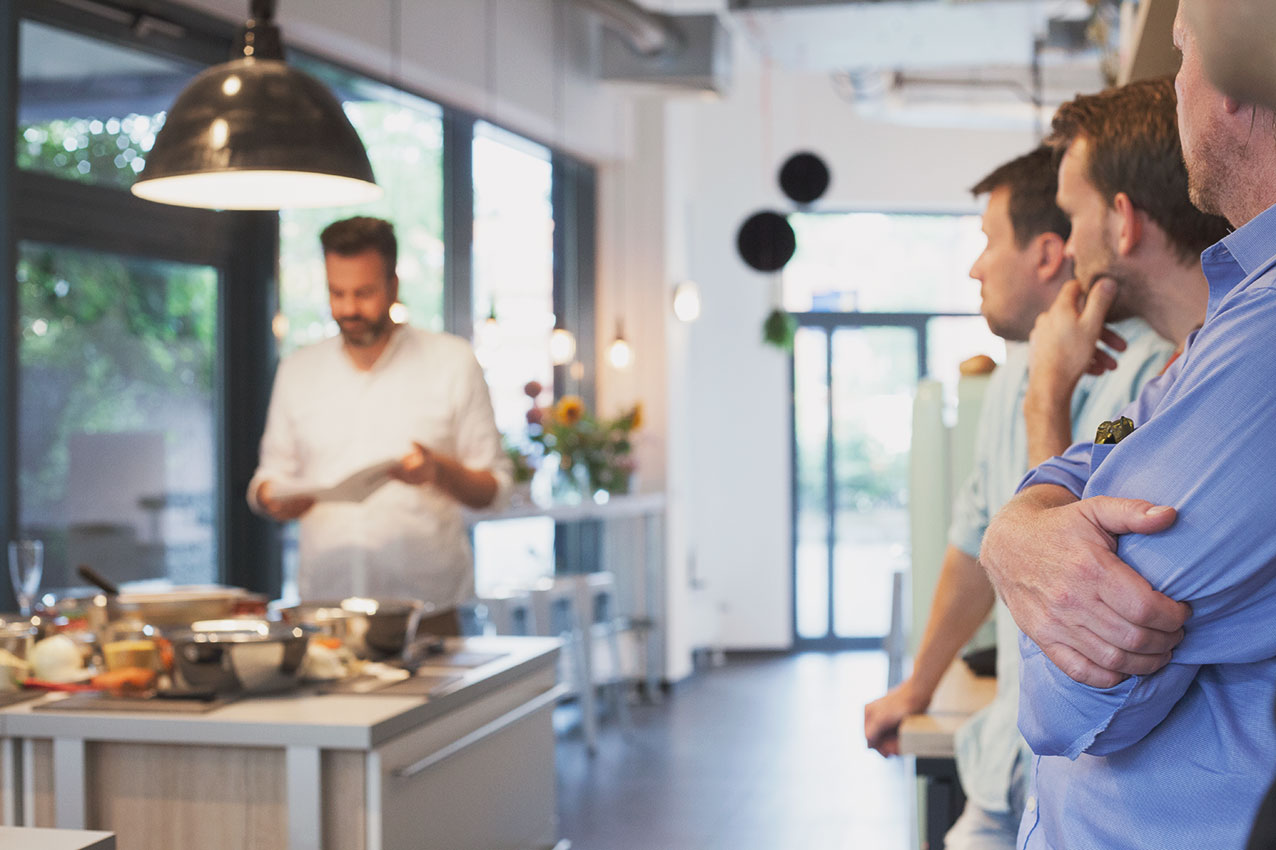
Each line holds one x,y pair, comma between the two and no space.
513,282
89,110
116,432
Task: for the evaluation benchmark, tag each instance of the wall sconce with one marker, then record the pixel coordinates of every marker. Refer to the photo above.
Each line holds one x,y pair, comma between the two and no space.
620,353
562,347
686,301
256,134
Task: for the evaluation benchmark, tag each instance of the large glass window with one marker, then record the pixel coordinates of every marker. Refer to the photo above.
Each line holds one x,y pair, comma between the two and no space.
513,317
403,135
117,359
89,110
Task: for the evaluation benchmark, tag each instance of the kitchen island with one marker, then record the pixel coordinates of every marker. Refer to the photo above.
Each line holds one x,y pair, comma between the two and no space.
469,766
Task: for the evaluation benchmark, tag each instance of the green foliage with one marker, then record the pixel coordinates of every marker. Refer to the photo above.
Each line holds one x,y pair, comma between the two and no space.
105,342
89,150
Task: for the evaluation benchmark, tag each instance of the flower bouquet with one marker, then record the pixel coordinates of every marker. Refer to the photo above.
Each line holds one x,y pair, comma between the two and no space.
594,454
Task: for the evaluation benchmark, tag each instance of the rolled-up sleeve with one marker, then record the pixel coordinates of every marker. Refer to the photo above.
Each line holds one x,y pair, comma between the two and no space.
478,442
278,456
1207,452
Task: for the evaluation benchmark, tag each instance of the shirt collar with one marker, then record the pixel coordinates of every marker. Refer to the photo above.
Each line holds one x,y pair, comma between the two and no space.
1239,255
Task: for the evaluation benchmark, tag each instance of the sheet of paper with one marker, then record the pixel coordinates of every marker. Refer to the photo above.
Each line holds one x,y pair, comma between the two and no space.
354,488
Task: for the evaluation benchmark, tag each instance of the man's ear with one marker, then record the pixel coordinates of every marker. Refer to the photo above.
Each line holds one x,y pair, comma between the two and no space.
1050,256
394,288
1126,223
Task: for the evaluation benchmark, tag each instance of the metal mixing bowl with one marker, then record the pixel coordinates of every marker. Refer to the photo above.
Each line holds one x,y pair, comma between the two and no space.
231,656
370,628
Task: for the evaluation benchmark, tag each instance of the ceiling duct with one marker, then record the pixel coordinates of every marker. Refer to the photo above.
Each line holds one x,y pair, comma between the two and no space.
688,53
647,33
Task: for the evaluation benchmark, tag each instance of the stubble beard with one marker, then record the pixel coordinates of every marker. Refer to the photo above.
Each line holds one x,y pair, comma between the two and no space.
361,333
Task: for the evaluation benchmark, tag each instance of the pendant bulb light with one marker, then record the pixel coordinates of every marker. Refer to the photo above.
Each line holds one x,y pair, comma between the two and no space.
562,347
257,134
620,352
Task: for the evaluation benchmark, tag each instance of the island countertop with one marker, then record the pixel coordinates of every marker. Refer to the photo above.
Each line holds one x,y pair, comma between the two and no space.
305,770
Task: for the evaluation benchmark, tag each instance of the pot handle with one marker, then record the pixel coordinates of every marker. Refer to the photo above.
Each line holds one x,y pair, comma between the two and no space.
414,622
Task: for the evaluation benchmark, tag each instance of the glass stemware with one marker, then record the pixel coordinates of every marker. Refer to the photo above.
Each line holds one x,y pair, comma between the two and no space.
26,564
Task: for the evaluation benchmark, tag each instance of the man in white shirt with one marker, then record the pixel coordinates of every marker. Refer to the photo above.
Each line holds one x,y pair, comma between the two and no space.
379,392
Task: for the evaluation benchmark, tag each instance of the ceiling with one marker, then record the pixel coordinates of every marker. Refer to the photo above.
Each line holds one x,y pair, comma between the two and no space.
933,62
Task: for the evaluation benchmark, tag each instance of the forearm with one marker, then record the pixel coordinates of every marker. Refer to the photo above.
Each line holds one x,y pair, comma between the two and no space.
1048,417
474,488
962,601
1013,529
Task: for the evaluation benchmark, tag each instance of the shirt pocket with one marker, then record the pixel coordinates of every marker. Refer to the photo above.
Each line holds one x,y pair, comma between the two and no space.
1098,453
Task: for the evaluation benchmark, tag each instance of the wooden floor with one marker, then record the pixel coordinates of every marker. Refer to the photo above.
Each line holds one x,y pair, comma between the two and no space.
763,753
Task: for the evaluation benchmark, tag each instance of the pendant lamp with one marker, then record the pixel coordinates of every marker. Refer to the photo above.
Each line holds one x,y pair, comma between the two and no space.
256,134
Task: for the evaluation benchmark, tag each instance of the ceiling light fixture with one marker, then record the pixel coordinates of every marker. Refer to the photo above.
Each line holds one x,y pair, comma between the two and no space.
256,134
562,347
620,353
686,301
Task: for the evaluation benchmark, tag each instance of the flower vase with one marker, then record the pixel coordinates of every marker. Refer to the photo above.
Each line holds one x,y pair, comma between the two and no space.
570,485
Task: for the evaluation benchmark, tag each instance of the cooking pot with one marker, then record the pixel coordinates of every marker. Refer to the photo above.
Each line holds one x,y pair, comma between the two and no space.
370,628
239,655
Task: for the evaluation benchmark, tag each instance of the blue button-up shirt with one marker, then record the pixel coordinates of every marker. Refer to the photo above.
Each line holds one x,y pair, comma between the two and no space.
1181,758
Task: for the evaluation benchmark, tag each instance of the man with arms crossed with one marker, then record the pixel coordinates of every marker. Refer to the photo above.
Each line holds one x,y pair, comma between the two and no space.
1021,271
1173,756
380,390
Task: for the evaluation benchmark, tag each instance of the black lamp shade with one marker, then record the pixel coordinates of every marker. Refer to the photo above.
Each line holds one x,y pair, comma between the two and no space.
766,241
257,134
804,177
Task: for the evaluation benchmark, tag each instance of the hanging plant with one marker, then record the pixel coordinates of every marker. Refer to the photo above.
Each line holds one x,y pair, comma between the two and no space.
779,329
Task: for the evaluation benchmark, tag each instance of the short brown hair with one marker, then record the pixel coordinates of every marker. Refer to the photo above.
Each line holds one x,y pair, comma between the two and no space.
1133,138
1033,180
352,236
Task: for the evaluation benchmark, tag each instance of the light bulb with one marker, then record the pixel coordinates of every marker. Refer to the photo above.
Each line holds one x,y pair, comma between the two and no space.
562,347
621,353
686,301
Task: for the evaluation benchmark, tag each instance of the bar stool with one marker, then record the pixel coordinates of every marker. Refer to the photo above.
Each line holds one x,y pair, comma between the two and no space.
506,612
602,625
556,612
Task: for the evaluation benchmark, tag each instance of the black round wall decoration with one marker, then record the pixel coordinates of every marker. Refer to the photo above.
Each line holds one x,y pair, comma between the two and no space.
804,177
766,241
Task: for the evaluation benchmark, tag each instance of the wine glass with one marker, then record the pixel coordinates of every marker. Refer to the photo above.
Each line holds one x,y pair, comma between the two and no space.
26,563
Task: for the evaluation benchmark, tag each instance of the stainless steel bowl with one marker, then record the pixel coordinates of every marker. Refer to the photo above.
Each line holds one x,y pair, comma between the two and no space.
370,628
231,656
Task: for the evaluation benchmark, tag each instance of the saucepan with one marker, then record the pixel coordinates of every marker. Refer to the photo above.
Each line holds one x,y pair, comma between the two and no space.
238,655
370,628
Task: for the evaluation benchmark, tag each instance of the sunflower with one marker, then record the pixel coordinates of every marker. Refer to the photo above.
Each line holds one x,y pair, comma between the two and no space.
635,418
569,410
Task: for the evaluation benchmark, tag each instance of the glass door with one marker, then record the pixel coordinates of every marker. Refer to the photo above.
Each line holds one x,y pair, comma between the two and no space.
853,397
